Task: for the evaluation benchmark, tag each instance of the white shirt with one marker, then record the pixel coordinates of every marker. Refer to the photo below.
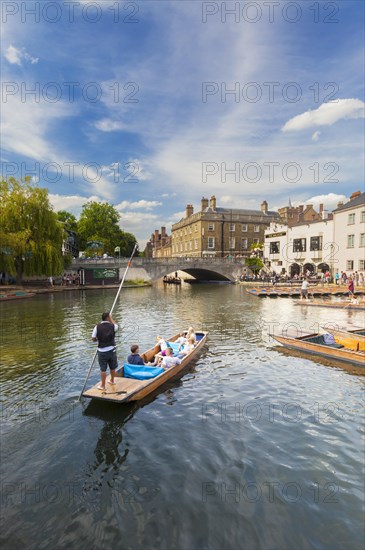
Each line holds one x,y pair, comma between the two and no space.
187,349
305,285
108,348
170,361
162,344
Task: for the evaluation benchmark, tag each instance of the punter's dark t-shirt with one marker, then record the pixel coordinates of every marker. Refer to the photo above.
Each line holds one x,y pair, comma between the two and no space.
135,359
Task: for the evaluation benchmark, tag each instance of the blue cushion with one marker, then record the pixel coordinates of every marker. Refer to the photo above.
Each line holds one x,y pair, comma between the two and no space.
139,372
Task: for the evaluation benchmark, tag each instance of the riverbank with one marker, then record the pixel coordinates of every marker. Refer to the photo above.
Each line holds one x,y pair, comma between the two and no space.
11,289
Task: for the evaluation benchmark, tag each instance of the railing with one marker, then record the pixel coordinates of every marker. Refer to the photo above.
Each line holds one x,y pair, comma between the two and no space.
157,261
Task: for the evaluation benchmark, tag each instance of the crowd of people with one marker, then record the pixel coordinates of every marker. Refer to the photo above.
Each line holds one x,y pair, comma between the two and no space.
321,277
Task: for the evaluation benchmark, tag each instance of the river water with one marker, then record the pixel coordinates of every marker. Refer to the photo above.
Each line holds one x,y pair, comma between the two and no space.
252,449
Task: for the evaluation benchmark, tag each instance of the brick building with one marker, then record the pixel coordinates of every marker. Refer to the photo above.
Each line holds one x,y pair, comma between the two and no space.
159,245
219,232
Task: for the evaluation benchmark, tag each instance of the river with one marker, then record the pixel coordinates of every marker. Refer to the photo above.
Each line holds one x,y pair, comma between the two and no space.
252,449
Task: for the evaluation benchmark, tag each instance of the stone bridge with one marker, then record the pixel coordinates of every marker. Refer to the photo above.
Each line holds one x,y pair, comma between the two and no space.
208,269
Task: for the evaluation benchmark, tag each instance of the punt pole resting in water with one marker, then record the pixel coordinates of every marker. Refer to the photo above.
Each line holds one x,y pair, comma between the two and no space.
111,311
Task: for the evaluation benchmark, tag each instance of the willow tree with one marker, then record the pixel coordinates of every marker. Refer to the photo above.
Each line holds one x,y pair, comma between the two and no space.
30,235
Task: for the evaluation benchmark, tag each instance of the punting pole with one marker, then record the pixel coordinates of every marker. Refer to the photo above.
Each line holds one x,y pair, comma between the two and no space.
111,311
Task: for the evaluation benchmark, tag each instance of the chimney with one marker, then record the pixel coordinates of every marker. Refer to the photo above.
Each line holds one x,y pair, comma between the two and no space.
354,195
163,236
213,202
301,208
204,203
156,237
321,208
189,210
340,203
264,207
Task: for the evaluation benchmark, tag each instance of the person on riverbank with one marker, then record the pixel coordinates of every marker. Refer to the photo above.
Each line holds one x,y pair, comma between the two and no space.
337,278
351,287
104,334
134,358
304,289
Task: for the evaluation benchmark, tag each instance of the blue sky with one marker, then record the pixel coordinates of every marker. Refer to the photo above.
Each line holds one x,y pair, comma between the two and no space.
131,103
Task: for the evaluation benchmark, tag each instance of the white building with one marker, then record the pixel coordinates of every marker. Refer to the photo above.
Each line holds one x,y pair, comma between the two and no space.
336,242
349,234
302,247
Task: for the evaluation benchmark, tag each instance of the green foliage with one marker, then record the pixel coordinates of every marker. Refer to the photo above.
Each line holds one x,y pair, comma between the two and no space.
99,222
255,264
30,235
67,261
68,219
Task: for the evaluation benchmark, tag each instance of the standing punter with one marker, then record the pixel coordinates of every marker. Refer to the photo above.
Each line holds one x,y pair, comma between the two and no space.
104,334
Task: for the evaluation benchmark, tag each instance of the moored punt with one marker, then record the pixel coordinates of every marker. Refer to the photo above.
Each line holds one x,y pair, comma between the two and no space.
16,296
335,305
351,339
130,389
314,344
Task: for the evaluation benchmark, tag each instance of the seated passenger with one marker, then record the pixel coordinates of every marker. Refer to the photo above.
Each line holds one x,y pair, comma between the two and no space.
163,347
182,340
187,348
135,358
169,360
191,333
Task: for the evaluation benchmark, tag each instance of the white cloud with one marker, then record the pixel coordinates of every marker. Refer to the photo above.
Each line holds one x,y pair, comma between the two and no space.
15,56
327,114
71,203
142,204
315,136
109,125
329,201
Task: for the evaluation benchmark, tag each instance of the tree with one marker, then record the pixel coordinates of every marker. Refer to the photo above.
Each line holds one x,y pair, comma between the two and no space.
99,226
127,244
254,262
68,219
30,235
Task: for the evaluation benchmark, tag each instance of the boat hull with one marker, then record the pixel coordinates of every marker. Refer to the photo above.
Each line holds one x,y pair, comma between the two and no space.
340,354
127,389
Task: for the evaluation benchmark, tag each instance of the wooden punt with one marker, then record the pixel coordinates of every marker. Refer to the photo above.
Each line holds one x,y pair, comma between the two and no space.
128,389
335,305
351,339
16,296
313,344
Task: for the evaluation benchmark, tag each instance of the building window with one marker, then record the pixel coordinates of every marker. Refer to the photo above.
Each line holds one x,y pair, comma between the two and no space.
244,227
186,246
211,242
190,229
350,265
275,247
210,226
181,247
316,243
232,227
256,229
362,239
299,245
191,245
255,241
351,219
196,228
362,264
232,243
196,244
350,241
363,216
244,244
